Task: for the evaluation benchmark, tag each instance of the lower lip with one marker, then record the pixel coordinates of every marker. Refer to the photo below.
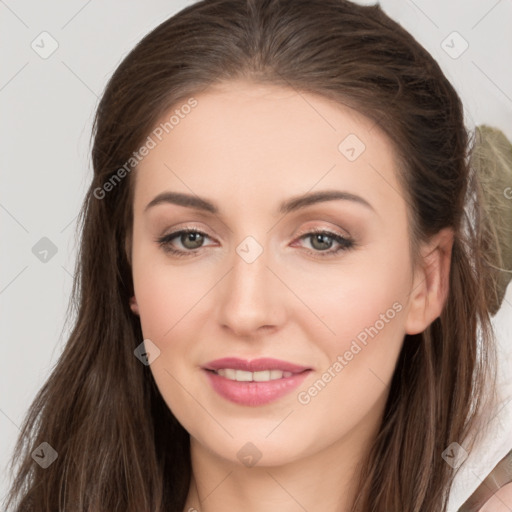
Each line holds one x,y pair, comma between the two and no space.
255,393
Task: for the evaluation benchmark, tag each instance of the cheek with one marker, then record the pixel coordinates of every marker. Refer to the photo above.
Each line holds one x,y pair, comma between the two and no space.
368,333
166,294
367,318
158,301
365,311
359,299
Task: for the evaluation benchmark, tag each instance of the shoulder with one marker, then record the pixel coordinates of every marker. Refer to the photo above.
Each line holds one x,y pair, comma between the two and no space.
500,501
494,494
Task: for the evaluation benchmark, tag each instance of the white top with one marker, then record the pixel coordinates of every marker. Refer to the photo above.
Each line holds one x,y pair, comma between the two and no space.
498,441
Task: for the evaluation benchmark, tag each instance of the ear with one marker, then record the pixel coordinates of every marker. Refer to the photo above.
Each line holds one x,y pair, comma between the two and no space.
431,282
134,306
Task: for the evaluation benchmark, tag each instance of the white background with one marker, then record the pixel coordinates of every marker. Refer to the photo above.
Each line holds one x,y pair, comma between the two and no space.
47,107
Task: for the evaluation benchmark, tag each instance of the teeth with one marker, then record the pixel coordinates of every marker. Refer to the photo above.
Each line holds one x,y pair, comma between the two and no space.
244,376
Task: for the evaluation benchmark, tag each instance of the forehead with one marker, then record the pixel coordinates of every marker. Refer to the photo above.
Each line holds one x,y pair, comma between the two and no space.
245,137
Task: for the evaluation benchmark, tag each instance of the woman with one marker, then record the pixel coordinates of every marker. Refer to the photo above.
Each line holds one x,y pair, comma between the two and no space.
282,281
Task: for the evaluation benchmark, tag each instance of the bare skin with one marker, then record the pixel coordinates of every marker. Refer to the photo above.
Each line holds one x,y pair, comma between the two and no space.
501,501
247,148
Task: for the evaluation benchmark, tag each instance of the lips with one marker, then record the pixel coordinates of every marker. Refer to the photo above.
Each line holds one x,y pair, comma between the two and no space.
255,365
249,391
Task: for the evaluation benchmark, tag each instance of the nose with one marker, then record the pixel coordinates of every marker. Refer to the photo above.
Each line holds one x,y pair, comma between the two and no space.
251,299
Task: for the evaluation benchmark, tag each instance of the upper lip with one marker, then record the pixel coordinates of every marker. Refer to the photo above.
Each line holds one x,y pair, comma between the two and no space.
255,365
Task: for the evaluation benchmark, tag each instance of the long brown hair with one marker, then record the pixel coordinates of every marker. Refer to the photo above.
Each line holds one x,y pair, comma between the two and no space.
119,446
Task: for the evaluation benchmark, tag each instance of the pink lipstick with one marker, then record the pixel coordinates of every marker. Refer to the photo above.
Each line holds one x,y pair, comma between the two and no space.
255,382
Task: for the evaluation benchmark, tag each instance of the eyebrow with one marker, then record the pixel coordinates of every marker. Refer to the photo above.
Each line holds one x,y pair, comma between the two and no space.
290,205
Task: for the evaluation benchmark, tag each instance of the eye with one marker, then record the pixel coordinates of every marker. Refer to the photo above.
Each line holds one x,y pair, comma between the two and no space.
190,239
322,240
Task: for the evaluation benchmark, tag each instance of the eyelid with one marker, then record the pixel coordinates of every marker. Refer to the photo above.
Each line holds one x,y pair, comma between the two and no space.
174,233
176,228
317,229
303,231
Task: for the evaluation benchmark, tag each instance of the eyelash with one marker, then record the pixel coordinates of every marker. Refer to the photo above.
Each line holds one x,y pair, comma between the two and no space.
345,244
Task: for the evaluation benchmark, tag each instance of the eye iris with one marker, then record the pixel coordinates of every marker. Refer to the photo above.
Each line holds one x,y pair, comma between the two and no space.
195,238
323,239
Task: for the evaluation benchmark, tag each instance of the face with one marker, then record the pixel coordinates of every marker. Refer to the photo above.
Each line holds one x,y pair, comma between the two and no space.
252,272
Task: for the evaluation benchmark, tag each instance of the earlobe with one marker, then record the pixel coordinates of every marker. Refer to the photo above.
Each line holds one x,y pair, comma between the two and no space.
431,283
134,306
